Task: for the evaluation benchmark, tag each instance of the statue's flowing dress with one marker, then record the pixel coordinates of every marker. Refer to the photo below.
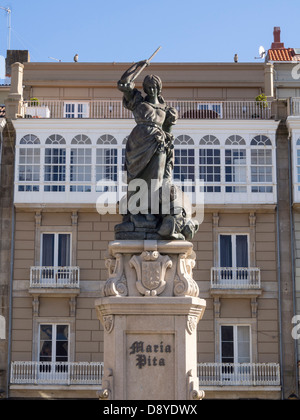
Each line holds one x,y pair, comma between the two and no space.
145,154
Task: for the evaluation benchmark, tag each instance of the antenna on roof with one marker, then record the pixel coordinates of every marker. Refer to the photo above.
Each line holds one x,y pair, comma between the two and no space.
261,52
8,11
56,59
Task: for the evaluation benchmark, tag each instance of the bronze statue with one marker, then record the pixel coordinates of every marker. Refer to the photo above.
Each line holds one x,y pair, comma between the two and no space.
149,158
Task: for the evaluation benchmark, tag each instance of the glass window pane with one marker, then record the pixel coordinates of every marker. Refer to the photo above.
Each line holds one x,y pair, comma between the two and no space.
227,344
243,344
45,343
63,250
225,251
241,250
48,250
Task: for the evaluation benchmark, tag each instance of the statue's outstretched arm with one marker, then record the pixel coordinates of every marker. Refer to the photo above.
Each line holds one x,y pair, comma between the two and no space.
125,84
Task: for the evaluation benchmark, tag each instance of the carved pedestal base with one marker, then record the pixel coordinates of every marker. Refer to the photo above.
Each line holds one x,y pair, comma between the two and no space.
150,309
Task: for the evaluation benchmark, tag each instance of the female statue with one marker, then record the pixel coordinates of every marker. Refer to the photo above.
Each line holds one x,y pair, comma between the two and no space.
149,157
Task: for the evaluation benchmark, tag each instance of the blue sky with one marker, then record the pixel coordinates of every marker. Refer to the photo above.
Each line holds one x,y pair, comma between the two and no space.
115,30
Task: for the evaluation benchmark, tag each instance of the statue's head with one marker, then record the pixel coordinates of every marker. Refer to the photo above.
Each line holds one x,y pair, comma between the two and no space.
151,81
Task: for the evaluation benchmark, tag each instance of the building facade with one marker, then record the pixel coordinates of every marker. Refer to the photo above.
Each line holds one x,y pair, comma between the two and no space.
69,149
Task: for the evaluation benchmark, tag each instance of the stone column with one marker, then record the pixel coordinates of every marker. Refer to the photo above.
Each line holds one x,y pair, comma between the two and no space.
15,97
150,309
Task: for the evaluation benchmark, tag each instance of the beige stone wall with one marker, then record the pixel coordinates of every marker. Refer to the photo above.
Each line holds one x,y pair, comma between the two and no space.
262,245
181,81
297,267
93,234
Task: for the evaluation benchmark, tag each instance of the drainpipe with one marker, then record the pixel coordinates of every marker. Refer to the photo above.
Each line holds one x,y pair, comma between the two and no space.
293,252
12,249
10,297
279,291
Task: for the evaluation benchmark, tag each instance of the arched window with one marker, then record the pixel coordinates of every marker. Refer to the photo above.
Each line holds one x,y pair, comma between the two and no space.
210,163
235,165
55,139
184,154
107,139
209,139
55,164
81,164
261,140
235,140
30,139
81,139
106,163
29,163
261,164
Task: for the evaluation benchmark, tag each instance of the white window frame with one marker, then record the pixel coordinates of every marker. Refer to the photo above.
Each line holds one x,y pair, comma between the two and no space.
212,106
233,246
56,141
55,250
28,142
235,341
76,112
264,143
181,143
54,338
80,145
107,142
210,142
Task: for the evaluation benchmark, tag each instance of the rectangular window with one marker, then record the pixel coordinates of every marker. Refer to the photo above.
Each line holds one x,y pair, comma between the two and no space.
215,108
55,169
184,165
56,250
53,352
106,169
233,250
261,170
235,344
233,260
235,170
210,169
81,169
76,110
29,169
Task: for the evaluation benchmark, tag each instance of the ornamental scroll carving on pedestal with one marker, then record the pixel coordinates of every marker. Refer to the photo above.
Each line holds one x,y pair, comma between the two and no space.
184,284
116,284
151,269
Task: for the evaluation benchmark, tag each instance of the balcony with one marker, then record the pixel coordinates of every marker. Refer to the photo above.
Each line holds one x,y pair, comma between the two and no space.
235,278
56,373
54,282
54,277
113,109
239,374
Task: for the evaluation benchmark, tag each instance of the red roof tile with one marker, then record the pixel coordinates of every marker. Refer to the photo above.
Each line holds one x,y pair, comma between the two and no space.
283,54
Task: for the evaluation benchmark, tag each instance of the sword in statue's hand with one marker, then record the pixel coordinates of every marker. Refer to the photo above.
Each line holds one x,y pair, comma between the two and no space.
146,64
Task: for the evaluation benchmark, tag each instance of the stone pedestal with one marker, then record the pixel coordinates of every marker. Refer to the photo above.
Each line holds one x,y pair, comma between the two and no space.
150,309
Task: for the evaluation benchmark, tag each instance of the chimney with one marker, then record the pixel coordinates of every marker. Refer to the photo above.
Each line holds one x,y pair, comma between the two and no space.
277,44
